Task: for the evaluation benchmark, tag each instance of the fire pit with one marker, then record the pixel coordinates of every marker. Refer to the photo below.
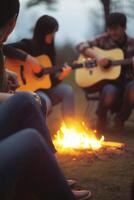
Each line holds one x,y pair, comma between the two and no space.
77,138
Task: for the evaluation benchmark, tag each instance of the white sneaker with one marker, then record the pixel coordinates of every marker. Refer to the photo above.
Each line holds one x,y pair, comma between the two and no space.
81,194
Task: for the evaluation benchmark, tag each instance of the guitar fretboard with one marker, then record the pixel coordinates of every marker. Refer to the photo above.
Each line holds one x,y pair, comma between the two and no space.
57,68
126,61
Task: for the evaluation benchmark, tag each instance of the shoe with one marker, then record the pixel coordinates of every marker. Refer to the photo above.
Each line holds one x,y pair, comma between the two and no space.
81,194
71,182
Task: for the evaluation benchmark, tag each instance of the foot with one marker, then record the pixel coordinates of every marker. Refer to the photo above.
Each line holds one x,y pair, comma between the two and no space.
71,182
81,194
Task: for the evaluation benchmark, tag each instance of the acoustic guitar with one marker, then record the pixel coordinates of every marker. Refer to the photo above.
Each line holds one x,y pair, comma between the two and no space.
28,81
95,74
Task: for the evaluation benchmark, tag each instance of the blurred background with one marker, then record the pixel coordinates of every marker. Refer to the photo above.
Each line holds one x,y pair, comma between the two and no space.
78,20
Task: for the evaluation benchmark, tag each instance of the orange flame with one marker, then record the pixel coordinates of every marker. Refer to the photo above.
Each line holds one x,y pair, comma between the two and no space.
76,136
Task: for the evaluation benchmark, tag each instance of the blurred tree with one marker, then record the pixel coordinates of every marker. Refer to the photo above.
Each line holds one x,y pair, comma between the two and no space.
106,6
114,5
121,6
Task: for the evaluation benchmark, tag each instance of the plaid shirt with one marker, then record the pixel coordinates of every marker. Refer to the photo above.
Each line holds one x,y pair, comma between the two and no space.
105,42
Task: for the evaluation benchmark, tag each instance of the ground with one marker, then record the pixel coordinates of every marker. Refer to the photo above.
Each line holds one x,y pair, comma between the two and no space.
108,176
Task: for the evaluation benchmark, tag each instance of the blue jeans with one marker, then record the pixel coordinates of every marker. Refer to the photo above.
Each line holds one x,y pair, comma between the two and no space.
62,93
116,99
26,155
127,103
108,101
22,111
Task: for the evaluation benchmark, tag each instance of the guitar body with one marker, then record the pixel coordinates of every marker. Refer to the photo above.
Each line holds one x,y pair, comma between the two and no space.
28,81
89,77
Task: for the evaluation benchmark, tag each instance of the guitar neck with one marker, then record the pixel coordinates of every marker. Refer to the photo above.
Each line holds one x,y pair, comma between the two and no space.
126,61
55,69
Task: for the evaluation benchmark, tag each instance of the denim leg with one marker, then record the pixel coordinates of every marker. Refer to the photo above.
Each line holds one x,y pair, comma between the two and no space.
128,103
64,94
22,111
25,154
44,98
108,100
43,106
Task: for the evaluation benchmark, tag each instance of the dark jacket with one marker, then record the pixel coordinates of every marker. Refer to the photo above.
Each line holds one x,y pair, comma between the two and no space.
36,46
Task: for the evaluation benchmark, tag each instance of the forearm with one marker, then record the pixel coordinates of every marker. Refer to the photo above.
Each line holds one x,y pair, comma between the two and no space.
92,53
87,48
14,53
17,54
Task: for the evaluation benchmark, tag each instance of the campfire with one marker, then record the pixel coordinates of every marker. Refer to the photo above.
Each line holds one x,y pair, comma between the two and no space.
77,137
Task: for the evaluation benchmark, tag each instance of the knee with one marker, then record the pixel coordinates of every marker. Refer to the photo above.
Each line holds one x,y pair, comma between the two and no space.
109,89
25,99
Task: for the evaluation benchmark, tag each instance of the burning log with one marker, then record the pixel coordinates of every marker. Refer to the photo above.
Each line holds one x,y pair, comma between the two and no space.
112,144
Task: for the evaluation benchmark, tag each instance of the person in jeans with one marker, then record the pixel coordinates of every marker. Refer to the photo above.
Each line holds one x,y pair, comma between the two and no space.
25,155
21,111
116,95
43,43
26,148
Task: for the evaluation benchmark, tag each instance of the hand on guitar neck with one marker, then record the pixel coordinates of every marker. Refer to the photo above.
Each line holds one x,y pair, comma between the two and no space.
65,72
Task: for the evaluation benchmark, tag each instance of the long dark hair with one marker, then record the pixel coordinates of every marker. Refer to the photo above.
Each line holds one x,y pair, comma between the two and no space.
46,24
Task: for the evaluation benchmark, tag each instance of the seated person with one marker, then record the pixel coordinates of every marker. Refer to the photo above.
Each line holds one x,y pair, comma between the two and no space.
116,95
42,43
23,151
25,156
